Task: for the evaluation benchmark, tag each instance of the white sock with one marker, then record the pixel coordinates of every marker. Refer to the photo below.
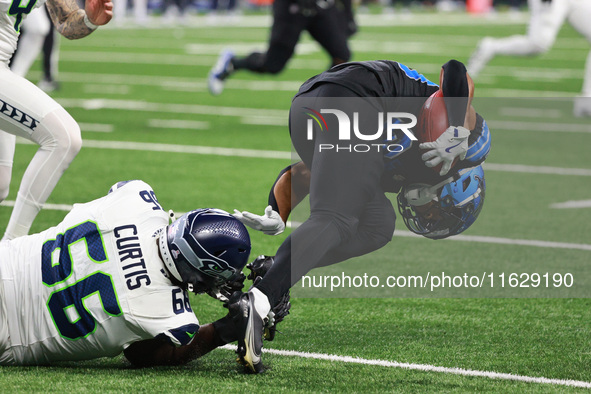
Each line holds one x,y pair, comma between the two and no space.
23,214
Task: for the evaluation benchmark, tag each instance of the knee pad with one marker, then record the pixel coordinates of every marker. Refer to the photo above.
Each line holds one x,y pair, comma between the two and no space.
59,132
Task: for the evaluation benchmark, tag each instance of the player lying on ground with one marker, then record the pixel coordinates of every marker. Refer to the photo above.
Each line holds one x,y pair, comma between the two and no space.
350,213
114,277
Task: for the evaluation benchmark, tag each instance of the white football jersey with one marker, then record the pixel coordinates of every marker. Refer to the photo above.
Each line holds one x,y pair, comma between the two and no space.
12,13
93,284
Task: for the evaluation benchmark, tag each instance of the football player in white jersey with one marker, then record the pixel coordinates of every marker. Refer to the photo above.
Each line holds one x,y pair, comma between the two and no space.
26,111
547,17
36,26
113,277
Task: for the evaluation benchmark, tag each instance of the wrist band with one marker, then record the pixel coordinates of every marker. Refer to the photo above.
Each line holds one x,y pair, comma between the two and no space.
88,23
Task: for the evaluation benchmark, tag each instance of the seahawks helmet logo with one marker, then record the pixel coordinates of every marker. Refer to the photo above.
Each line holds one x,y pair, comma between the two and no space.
215,269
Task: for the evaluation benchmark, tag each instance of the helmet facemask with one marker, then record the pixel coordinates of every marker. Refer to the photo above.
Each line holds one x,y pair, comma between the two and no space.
445,209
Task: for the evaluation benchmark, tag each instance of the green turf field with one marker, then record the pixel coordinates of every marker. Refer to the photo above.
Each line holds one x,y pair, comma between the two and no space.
140,96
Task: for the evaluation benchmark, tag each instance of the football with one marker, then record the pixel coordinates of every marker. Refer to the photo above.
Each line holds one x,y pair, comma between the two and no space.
433,122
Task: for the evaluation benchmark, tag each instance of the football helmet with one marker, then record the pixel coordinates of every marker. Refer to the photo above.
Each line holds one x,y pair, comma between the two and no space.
452,205
205,248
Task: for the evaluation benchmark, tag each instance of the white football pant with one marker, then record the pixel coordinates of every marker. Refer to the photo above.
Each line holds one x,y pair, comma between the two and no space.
545,22
53,129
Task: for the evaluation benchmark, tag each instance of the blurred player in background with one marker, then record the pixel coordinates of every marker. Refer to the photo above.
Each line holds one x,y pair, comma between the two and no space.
140,12
51,47
547,17
26,111
124,288
329,22
38,35
350,213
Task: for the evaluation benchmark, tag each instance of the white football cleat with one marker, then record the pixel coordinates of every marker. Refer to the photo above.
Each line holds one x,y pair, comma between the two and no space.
480,57
220,72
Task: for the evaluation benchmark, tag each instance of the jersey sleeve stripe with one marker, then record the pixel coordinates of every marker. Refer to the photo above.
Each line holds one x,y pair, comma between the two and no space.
478,150
184,334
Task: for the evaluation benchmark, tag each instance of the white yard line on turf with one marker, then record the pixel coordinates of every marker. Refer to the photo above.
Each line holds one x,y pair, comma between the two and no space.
572,204
535,113
200,84
278,116
50,207
178,124
513,125
423,367
489,240
284,155
208,58
525,169
505,241
404,233
137,105
97,127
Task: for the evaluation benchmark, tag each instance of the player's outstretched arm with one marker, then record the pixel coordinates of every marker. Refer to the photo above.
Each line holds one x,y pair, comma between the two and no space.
153,352
73,22
290,188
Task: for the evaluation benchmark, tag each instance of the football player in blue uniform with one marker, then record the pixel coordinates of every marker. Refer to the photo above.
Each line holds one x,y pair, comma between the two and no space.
350,213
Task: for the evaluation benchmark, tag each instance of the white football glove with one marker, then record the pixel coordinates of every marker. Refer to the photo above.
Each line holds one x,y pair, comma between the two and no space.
270,223
451,144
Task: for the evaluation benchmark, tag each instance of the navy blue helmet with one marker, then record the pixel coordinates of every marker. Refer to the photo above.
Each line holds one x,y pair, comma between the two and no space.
445,209
205,248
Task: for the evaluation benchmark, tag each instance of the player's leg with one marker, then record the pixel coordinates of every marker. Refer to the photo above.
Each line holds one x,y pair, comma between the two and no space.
326,28
37,117
7,144
285,34
582,104
120,11
140,11
51,48
545,22
375,230
350,25
341,186
35,27
578,18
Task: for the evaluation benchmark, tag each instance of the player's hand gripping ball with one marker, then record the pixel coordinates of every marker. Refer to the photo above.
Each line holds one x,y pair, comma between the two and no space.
441,145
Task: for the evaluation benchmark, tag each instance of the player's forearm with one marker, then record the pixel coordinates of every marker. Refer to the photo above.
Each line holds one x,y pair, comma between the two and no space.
282,194
68,18
290,188
154,352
